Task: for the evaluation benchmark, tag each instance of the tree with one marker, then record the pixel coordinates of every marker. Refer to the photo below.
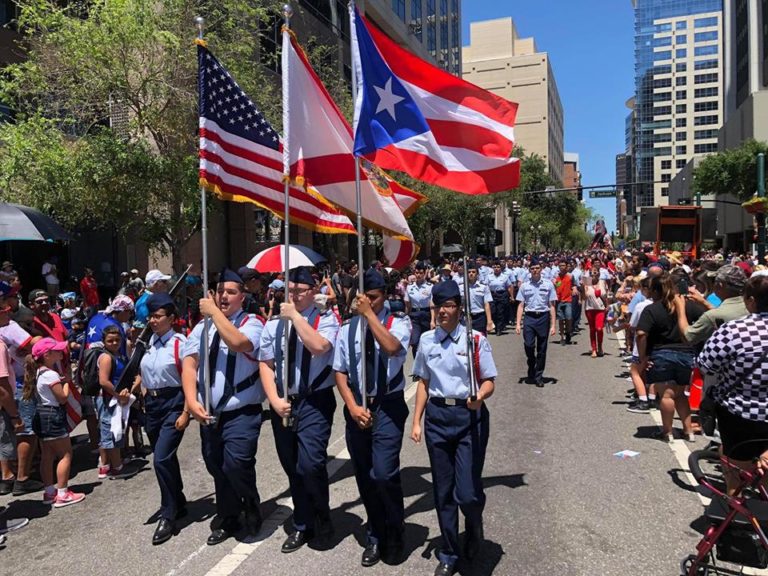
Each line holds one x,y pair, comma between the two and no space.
91,63
731,172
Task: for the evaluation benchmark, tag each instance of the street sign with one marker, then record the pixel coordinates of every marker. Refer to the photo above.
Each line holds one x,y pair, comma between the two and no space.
602,193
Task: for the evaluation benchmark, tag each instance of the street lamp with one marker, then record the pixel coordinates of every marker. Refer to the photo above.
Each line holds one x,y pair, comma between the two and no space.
516,211
536,233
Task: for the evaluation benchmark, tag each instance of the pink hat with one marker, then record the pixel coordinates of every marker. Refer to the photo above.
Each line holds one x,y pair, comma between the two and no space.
46,345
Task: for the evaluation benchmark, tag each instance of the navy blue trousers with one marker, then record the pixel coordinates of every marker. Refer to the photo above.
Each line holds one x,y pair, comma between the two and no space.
480,323
229,451
375,455
303,455
456,442
535,339
419,324
161,415
576,312
500,310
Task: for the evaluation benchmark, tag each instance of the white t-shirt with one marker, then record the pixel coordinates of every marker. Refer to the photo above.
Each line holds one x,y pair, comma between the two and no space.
49,271
15,337
635,319
45,379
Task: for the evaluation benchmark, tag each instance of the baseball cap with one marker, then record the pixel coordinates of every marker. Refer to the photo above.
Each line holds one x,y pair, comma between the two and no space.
731,276
68,314
247,273
119,304
277,284
46,345
134,271
154,276
745,267
35,294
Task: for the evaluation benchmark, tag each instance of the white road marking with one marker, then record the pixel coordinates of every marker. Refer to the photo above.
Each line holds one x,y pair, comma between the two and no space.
269,531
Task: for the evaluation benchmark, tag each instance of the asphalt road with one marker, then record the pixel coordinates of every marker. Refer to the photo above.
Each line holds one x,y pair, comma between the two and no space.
558,501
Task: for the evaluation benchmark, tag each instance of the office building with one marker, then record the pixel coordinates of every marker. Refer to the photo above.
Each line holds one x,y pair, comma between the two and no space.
678,91
572,174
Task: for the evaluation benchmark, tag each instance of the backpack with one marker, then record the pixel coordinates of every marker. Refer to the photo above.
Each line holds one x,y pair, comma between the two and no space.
89,375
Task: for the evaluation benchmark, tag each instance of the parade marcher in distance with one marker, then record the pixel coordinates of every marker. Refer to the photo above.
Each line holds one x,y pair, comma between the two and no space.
537,299
375,434
302,445
480,300
501,288
229,444
166,416
456,427
418,296
253,303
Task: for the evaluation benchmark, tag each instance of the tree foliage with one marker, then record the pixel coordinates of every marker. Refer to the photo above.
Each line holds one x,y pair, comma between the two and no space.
731,172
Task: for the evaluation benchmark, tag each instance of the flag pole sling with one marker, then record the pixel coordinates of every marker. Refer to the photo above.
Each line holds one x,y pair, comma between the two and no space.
470,348
287,13
359,207
205,358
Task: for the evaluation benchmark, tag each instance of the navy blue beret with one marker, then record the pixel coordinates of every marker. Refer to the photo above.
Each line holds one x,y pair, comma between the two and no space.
373,280
420,266
159,300
302,275
471,265
227,275
445,291
248,273
535,261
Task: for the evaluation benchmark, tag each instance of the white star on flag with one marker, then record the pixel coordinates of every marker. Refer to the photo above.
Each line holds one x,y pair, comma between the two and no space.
387,100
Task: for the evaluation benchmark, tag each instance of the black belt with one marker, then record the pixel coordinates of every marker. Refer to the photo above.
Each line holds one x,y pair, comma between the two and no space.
536,314
477,314
500,292
167,392
448,401
420,309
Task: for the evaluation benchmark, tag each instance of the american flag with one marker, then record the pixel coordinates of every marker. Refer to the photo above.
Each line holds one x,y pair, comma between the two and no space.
241,154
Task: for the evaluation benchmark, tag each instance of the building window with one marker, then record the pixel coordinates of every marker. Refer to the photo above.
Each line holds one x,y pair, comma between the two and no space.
662,83
398,7
662,137
705,134
666,164
665,191
681,122
705,78
680,136
662,111
666,177
705,22
681,150
681,39
706,64
681,95
705,50
681,80
416,20
681,109
705,120
662,96
705,36
431,28
681,53
705,148
681,67
680,164
663,151
705,106
663,69
681,25
705,92
661,56
663,41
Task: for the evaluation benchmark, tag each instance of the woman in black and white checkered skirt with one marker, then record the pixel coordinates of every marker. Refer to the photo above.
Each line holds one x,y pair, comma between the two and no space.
738,354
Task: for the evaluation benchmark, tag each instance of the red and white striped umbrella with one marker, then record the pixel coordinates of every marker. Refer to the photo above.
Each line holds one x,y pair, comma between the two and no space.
272,260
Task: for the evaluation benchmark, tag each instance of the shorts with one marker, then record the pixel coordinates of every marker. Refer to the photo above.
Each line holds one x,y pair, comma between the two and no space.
634,360
27,411
107,440
735,431
88,406
50,422
564,311
671,366
7,437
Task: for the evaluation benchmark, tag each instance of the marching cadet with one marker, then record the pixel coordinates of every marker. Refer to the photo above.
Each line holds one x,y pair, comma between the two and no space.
302,425
480,301
537,299
418,296
375,434
229,434
166,414
456,427
500,286
484,271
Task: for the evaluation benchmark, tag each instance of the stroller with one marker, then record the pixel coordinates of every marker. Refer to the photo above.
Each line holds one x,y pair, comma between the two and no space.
737,524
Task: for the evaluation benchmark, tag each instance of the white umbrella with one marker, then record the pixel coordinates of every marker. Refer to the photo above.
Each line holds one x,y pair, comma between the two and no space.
273,259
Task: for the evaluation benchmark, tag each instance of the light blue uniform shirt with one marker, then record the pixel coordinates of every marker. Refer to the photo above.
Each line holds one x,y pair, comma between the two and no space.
511,274
636,299
442,360
522,274
158,366
327,327
483,272
400,329
479,294
577,275
419,295
546,273
499,283
245,364
459,279
537,295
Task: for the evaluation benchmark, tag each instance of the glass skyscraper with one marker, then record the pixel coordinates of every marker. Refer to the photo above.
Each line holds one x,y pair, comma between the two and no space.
678,90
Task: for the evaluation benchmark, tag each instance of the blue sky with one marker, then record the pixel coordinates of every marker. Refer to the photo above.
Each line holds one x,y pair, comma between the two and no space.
590,44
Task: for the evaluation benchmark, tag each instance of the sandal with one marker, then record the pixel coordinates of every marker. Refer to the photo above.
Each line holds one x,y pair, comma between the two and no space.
594,354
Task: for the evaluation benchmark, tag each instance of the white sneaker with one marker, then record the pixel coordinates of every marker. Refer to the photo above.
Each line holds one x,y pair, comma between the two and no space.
12,524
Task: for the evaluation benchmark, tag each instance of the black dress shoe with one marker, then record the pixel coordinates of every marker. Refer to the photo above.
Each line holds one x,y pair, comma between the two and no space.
444,569
226,529
371,555
294,542
539,383
163,532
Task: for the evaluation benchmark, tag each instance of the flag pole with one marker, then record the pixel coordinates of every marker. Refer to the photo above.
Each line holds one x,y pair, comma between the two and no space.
359,208
287,14
200,23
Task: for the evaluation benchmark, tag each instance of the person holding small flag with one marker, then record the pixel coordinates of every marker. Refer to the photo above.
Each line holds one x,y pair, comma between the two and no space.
375,433
456,425
302,424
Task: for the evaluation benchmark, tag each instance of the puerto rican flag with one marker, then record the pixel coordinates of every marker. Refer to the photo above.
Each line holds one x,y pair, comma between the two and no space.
416,118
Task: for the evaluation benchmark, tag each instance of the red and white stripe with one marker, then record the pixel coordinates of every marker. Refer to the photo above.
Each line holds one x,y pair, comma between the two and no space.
471,133
399,252
240,170
74,408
